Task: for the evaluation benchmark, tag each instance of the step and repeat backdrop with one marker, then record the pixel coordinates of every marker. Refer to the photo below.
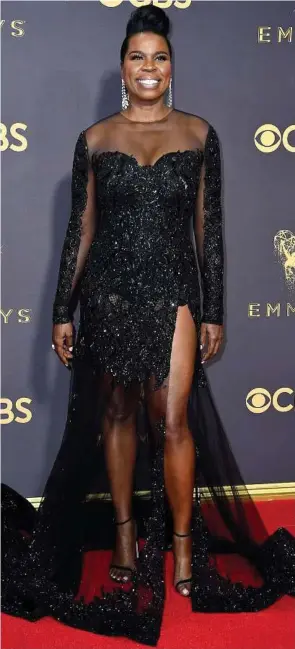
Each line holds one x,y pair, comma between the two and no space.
234,66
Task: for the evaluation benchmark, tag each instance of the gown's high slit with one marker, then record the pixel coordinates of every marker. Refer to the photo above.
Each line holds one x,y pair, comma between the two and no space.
137,189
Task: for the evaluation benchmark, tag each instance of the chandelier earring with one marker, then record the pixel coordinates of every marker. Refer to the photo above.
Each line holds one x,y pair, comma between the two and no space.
169,97
125,96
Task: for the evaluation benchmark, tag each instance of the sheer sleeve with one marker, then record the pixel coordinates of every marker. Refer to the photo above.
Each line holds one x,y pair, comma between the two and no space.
80,231
208,231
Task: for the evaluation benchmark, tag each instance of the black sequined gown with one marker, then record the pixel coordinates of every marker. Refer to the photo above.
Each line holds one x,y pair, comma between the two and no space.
140,192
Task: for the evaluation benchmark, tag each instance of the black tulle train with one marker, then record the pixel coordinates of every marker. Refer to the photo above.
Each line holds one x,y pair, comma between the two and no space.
43,551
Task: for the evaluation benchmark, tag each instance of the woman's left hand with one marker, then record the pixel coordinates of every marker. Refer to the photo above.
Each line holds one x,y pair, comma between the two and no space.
212,336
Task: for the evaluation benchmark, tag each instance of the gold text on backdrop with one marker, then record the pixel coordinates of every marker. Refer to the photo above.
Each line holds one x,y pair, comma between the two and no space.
270,138
8,410
284,247
5,138
19,315
259,400
257,310
274,35
15,27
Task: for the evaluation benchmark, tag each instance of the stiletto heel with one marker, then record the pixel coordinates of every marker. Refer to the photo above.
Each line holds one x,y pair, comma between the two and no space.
136,544
127,577
178,585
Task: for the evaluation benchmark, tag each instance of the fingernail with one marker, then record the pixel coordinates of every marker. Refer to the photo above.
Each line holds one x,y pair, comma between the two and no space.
201,346
70,349
185,591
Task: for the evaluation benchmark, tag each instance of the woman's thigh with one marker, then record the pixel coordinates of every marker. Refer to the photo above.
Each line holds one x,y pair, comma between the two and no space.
120,402
171,399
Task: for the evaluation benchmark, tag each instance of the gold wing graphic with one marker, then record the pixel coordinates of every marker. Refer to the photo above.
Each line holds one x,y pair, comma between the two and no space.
284,245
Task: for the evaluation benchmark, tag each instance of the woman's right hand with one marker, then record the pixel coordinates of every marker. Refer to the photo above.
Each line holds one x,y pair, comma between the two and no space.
63,341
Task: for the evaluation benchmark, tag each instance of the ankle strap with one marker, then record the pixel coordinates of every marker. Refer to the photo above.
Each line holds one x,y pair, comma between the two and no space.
181,535
123,522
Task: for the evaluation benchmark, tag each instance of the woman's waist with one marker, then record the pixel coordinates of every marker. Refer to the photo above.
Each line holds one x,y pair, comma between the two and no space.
141,252
140,283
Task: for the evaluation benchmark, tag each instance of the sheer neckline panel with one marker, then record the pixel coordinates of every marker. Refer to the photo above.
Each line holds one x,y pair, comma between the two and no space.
153,121
150,144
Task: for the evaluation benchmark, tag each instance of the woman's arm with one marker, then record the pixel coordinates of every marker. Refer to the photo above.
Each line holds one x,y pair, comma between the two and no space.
208,231
80,231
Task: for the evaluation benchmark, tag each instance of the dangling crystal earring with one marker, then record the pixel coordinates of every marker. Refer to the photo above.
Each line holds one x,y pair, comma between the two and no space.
125,97
169,98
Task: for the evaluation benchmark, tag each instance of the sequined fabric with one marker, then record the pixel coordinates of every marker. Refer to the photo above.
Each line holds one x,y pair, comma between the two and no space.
140,262
139,192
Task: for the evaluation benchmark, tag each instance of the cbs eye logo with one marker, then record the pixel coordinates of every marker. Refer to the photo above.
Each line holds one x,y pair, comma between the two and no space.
13,140
164,4
268,138
259,400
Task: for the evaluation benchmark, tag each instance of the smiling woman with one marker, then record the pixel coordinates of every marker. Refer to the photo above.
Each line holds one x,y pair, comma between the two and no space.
145,224
146,67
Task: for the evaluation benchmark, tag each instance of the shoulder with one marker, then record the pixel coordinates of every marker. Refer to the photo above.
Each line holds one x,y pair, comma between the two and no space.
95,134
198,126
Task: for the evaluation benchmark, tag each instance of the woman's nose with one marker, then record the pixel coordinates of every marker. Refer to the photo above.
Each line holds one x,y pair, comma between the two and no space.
149,65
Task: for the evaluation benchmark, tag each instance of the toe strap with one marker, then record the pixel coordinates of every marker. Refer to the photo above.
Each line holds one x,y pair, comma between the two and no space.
114,565
183,581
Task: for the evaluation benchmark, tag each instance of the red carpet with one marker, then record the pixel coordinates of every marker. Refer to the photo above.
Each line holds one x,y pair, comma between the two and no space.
273,628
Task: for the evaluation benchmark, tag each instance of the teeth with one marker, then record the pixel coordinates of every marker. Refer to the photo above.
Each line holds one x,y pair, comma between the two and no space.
148,82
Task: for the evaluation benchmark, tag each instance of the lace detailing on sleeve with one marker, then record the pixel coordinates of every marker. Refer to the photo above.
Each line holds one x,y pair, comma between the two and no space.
80,231
208,231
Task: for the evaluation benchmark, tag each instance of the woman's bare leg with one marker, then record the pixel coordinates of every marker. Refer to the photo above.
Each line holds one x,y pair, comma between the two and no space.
179,462
179,446
120,453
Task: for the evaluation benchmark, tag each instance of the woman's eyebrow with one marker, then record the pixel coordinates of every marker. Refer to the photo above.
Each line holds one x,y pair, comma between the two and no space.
141,52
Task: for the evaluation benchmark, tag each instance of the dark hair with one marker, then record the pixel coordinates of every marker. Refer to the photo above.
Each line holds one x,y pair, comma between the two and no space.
147,19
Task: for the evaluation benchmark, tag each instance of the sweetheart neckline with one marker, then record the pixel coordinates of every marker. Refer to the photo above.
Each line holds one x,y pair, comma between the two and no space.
133,158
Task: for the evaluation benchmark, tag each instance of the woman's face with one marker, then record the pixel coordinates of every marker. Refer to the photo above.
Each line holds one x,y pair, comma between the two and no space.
146,69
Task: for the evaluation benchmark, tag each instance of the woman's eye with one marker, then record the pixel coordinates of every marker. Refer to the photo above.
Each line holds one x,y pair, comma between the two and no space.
160,57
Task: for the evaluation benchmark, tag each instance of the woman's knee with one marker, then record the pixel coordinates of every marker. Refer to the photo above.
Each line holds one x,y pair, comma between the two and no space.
117,413
176,430
121,406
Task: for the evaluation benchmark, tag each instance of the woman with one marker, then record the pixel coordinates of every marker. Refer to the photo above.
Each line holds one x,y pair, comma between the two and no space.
136,269
141,178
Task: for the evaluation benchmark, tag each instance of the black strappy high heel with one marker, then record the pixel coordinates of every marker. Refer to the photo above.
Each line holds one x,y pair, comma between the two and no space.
181,582
127,577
